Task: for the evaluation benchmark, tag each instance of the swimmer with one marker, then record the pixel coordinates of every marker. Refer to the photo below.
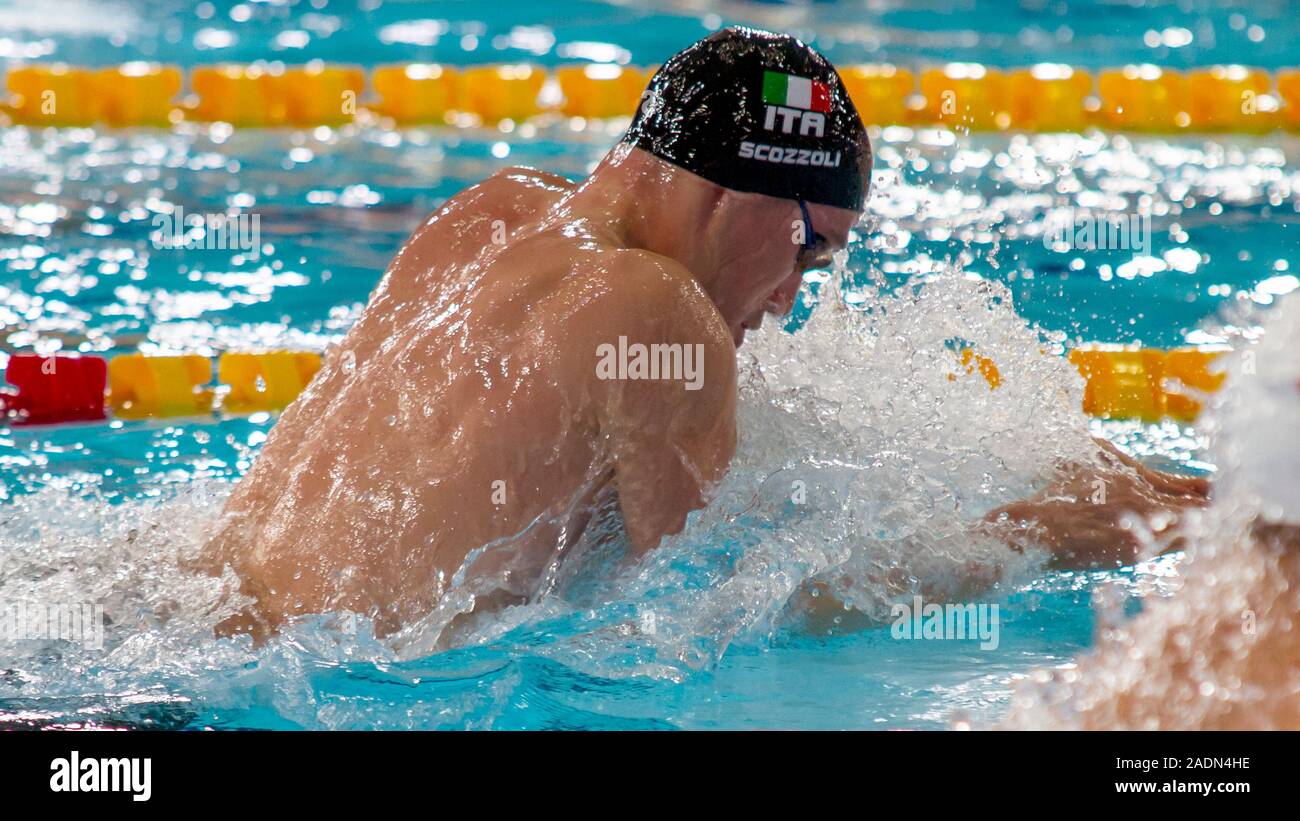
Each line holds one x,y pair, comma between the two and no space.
1223,652
473,419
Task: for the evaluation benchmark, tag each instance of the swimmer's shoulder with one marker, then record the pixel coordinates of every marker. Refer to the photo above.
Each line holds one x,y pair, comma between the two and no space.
509,193
519,189
523,178
656,303
459,230
653,296
662,282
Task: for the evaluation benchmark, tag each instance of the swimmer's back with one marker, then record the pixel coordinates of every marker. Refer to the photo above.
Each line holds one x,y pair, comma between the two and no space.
461,409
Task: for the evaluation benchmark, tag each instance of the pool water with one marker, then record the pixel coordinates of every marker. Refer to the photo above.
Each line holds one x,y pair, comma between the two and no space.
852,400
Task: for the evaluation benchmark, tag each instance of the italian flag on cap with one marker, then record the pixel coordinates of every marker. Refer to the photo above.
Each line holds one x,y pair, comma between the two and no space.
795,92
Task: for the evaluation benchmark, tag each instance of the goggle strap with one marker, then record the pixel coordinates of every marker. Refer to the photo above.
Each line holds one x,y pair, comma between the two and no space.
809,236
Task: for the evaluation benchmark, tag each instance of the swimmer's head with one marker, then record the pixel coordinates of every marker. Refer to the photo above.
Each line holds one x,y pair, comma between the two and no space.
767,119
758,112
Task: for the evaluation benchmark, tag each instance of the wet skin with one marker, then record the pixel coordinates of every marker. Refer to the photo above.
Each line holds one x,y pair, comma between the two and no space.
464,408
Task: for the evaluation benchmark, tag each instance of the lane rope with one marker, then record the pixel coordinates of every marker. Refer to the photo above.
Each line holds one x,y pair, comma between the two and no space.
1150,384
965,96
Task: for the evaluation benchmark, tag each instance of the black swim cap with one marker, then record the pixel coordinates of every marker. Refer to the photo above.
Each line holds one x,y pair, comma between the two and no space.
761,112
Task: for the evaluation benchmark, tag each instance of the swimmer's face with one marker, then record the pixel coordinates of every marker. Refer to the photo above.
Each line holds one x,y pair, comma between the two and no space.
767,263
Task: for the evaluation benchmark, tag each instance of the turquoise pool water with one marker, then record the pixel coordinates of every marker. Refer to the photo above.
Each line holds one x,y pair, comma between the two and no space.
95,511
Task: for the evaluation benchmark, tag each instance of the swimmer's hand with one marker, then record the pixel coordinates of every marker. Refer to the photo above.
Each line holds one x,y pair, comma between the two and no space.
1280,535
1086,516
1082,517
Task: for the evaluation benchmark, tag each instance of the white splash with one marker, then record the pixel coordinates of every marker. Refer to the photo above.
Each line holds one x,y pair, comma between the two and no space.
1221,652
867,453
866,457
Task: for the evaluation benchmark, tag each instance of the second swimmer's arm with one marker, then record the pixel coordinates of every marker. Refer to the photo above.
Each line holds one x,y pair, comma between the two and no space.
1085,517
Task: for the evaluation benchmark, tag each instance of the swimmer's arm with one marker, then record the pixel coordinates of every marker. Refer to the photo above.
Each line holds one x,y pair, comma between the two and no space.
669,439
670,445
1078,532
1082,518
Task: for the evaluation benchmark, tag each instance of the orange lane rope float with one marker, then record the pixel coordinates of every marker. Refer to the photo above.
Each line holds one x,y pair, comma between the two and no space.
1149,384
967,96
987,367
142,385
266,381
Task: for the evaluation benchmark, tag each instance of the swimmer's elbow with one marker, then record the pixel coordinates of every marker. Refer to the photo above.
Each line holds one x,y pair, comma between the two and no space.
642,541
646,529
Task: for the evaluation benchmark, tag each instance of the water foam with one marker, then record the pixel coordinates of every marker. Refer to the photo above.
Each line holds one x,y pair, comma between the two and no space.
866,457
867,454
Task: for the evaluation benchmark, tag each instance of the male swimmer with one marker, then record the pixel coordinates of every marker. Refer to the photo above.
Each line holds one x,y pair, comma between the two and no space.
463,431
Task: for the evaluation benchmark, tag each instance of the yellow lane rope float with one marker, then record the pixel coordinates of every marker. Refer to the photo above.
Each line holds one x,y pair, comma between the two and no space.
1149,384
967,96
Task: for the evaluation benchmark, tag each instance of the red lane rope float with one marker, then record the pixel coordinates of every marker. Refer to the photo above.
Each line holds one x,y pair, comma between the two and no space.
1044,97
54,388
1150,384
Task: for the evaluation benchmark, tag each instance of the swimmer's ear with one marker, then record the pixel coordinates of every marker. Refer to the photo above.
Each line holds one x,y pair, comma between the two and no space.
781,301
